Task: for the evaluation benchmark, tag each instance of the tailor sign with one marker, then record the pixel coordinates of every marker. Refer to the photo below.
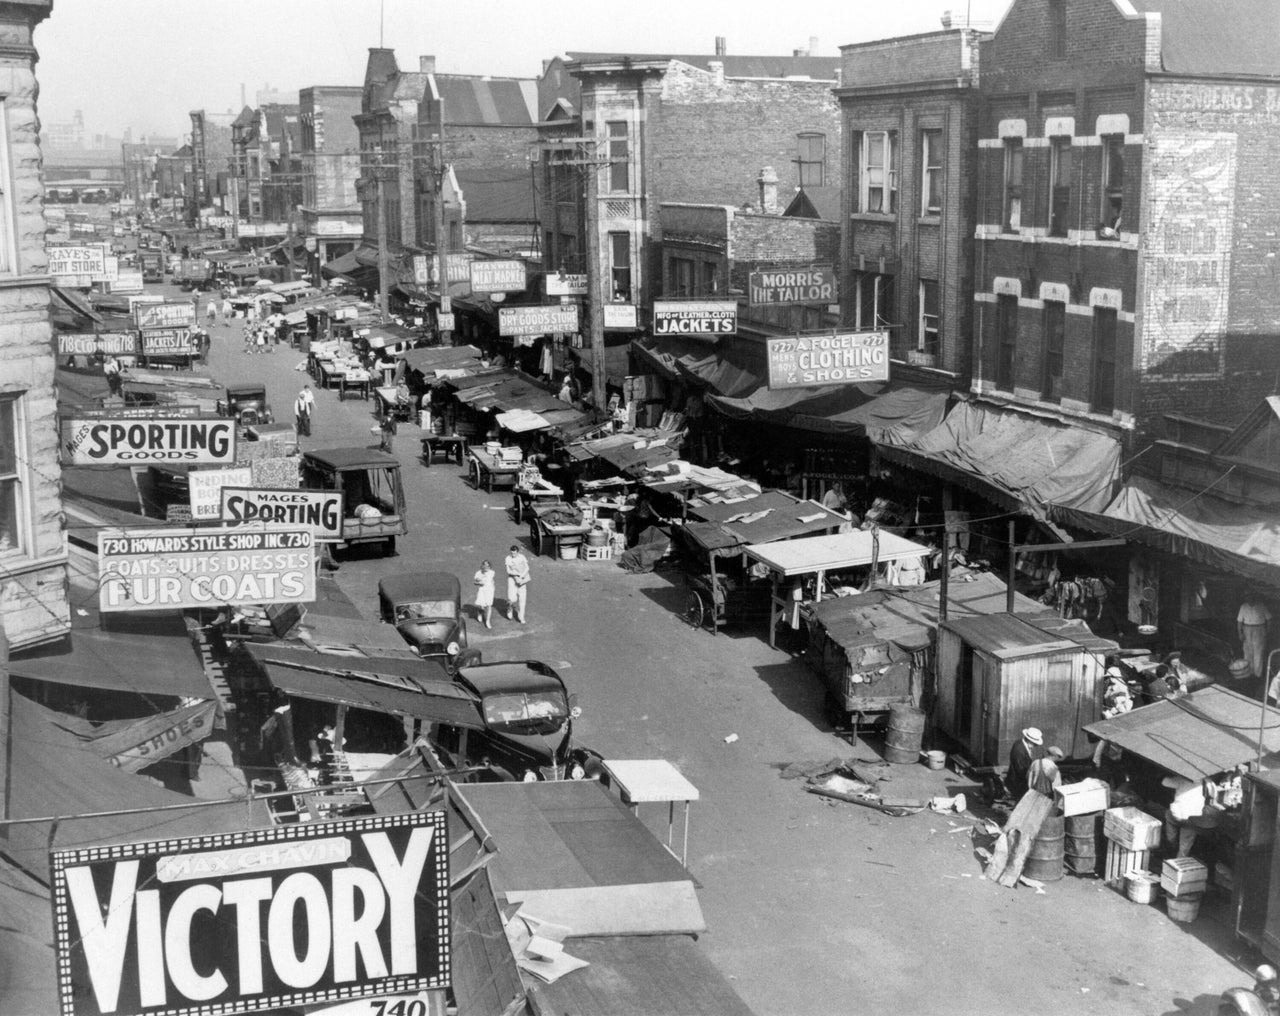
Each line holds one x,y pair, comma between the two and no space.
563,284
317,510
284,918
205,486
169,569
497,276
794,286
695,317
844,358
538,320
126,441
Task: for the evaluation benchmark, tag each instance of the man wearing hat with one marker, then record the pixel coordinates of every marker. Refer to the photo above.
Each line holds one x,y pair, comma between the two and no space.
1021,755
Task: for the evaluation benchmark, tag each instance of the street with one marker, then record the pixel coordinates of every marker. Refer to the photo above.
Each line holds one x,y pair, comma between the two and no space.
813,906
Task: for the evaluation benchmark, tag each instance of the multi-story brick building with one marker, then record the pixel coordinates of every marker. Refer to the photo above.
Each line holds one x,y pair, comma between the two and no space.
210,159
387,125
33,546
330,159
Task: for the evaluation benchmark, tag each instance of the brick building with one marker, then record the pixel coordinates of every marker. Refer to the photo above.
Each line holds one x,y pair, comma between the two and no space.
387,125
330,158
210,159
33,545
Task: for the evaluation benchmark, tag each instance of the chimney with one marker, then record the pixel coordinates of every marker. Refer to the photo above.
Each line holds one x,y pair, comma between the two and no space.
946,19
768,181
720,46
427,64
717,70
813,45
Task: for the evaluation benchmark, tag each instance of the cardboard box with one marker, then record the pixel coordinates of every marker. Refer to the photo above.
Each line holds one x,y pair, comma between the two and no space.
1184,876
1132,828
1084,797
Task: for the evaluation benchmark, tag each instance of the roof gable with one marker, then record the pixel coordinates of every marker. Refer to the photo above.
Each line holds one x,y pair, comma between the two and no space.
1225,37
1257,439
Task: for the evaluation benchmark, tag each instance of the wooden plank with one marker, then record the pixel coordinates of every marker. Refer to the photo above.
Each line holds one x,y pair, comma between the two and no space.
1012,847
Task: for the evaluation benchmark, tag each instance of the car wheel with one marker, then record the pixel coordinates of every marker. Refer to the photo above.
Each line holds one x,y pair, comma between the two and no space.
694,613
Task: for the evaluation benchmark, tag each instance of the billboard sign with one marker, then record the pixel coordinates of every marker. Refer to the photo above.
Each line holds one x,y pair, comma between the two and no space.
106,343
695,317
563,284
843,358
263,920
78,265
497,276
170,314
89,441
169,569
537,320
793,286
169,341
317,510
205,489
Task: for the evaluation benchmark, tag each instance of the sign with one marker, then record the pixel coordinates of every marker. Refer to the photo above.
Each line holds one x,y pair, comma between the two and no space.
537,320
127,282
695,317
422,1004
111,442
107,343
620,316
795,286
497,276
561,284
112,272
204,488
166,569
78,264
170,314
458,267
256,921
169,342
421,270
446,304
844,358
317,510
148,740
445,322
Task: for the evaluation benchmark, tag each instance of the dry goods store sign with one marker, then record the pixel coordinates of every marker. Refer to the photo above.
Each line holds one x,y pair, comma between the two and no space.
90,442
163,569
845,358
537,320
254,921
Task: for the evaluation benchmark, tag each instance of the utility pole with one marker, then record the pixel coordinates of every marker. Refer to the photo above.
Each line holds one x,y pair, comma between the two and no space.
384,263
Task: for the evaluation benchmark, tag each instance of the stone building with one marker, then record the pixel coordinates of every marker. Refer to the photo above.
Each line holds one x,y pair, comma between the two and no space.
330,160
387,126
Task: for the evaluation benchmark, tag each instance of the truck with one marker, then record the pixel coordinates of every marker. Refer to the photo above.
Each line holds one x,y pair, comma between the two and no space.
193,273
152,262
374,502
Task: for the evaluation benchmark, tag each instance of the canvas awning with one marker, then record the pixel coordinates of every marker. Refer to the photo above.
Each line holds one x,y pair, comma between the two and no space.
721,372
131,745
432,358
833,552
771,515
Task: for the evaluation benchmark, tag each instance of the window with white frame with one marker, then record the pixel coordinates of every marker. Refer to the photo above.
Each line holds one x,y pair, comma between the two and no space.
1060,172
1112,181
619,157
620,266
13,523
878,171
1012,185
872,300
928,337
931,172
811,158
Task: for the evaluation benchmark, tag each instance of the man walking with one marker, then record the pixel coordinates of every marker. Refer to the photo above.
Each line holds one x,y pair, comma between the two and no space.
517,583
226,313
303,406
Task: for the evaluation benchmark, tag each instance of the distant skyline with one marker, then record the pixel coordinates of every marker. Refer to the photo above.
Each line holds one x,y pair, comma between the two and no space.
145,64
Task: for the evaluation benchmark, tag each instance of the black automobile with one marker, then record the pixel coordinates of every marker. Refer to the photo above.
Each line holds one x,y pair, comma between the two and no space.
528,725
426,608
247,404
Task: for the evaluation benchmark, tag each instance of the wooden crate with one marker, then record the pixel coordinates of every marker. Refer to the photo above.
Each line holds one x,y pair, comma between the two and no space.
1132,828
1083,798
596,553
1184,876
1121,861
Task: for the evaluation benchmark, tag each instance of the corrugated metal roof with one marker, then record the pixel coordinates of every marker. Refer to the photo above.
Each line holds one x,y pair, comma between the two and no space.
1007,635
1225,37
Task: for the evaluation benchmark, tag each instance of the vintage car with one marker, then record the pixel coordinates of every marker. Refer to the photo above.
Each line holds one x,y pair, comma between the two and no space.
246,404
373,498
528,725
426,608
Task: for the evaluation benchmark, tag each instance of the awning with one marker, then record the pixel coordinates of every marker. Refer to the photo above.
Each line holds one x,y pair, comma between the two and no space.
664,354
1019,459
833,552
433,358
771,515
355,262
721,372
1207,732
630,453
77,303
1231,537
380,336
131,745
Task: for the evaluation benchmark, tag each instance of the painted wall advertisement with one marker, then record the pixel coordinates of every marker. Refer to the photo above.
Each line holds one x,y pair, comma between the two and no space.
111,442
205,489
163,569
497,276
537,320
786,288
695,317
317,510
843,358
181,314
89,343
263,920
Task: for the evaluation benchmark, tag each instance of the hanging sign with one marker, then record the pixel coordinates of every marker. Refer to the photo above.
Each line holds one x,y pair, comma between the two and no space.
620,317
110,442
497,276
204,488
78,264
537,320
695,317
445,322
318,510
844,358
421,270
169,342
180,314
562,284
263,920
88,343
784,288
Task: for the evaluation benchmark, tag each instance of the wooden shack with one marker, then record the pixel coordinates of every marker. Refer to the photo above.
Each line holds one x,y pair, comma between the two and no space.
999,673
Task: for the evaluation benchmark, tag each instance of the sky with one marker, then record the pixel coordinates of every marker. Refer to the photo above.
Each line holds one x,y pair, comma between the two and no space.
146,63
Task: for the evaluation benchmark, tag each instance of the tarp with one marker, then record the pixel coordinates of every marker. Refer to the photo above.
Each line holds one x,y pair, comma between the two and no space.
434,358
665,354
771,515
1027,461
1205,733
833,552
720,372
131,745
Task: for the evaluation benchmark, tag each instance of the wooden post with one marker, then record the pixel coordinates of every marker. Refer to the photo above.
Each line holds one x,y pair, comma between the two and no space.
1009,594
944,580
775,604
715,616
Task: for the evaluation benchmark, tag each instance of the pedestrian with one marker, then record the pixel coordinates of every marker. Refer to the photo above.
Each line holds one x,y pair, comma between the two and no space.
1025,750
211,313
388,430
835,498
1252,622
226,313
517,583
303,407
111,368
1043,774
484,593
260,339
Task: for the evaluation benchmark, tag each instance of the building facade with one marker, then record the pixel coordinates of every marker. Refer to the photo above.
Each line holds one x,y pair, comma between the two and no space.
330,160
387,125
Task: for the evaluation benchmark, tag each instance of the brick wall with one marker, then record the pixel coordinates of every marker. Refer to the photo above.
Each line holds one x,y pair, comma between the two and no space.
773,241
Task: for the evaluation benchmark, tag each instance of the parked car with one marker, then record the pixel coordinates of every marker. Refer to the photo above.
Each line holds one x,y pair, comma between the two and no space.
528,725
426,608
247,404
373,503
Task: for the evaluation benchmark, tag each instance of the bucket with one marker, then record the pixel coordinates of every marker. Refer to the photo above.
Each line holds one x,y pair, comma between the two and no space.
1080,847
1183,909
597,538
1044,863
1240,669
934,759
568,551
906,730
1140,887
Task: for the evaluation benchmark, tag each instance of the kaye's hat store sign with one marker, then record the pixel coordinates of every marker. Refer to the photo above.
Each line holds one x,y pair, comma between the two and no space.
497,276
297,915
317,510
537,320
97,442
785,288
845,358
696,317
168,569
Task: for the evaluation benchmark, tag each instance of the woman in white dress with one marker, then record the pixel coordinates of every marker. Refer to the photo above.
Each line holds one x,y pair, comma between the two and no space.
484,593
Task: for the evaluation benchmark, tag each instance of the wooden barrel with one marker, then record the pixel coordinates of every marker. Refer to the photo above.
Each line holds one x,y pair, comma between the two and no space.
1080,847
906,731
1044,863
1183,909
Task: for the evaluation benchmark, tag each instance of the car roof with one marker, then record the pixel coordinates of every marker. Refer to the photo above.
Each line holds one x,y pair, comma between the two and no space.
409,586
510,675
249,387
350,458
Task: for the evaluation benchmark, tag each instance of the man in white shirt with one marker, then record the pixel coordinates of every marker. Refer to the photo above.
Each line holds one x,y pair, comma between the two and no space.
1252,623
518,577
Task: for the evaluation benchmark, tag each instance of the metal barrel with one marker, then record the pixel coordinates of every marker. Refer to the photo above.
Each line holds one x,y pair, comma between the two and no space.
906,731
1080,848
1044,863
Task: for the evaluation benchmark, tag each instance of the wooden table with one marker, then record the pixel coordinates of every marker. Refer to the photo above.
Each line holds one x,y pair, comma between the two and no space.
453,445
655,781
356,380
526,497
330,373
487,469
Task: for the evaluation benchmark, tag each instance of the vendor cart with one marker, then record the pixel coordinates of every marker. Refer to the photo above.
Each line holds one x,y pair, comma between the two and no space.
488,469
531,491
556,526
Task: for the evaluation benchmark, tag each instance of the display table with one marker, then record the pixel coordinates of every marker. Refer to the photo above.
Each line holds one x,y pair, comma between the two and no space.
488,469
453,446
525,497
355,380
655,781
549,530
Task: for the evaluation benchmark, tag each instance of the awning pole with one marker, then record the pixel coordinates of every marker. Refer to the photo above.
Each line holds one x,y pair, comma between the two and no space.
944,580
1266,684
1009,593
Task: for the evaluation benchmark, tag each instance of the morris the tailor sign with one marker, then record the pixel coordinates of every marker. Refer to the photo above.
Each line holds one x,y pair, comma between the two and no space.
283,918
537,320
168,569
844,358
563,284
317,510
795,286
696,317
111,442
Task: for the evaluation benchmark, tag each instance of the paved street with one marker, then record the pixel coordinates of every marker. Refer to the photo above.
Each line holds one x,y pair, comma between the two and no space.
812,907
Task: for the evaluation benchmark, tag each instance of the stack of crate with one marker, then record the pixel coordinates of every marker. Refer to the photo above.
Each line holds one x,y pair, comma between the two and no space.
1131,834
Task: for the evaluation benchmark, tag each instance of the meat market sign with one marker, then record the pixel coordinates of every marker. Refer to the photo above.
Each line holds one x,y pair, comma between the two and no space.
695,317
843,358
297,915
168,568
784,288
497,276
537,320
110,442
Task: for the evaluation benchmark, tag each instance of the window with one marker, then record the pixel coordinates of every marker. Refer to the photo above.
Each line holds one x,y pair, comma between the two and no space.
619,158
1006,340
12,516
710,284
1055,324
1060,163
928,338
1013,185
872,300
620,266
1112,180
931,172
878,160
1104,360
682,270
811,160
1057,29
